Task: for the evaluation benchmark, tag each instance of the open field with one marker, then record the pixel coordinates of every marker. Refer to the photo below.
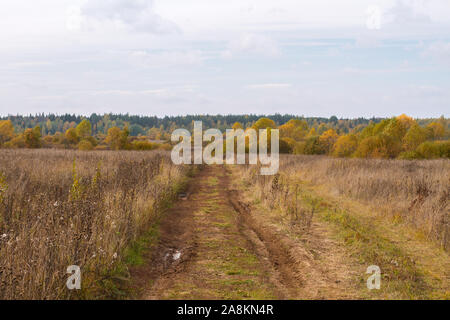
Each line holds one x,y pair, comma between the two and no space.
393,214
309,232
62,208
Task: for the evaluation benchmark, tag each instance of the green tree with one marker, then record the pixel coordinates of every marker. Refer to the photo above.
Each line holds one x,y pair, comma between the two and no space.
136,129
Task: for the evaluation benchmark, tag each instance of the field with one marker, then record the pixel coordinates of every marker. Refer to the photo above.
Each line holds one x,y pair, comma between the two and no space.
62,208
309,232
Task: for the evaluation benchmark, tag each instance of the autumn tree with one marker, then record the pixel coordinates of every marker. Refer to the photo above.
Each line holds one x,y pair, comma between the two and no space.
117,139
72,136
237,125
6,131
327,140
436,130
294,129
406,121
415,136
32,137
371,147
85,145
345,145
84,129
312,145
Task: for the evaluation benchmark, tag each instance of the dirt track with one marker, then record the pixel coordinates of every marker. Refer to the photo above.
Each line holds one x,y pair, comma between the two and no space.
212,246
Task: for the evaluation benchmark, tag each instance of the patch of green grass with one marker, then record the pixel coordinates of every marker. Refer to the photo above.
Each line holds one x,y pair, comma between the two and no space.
222,225
134,254
213,181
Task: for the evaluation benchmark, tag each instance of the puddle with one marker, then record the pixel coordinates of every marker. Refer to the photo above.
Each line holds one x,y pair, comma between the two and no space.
173,255
183,196
177,255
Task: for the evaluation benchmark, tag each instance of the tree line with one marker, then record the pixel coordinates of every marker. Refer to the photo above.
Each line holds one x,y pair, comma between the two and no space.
398,137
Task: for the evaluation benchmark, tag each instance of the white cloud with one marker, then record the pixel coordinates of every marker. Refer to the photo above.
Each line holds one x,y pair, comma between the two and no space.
409,12
142,58
373,17
252,44
269,86
439,51
133,15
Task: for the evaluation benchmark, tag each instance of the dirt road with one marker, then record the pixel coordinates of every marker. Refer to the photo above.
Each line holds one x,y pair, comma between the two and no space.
212,246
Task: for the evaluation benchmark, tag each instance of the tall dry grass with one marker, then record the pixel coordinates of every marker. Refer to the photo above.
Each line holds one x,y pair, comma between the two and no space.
61,208
416,192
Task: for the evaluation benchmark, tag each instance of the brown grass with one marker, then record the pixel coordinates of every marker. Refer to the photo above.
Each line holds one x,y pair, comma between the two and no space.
416,192
61,208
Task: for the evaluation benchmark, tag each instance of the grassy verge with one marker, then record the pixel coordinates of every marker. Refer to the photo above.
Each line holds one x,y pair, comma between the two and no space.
115,283
401,279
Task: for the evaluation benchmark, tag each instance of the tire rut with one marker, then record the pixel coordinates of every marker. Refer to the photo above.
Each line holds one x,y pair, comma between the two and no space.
284,275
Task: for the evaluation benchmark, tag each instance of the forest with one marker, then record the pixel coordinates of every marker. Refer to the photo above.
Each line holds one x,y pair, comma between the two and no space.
398,137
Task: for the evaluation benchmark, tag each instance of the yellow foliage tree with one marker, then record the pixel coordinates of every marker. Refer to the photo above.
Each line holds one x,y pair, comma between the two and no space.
85,145
345,145
32,137
436,129
117,139
72,136
6,131
264,123
327,140
414,137
406,121
237,125
84,129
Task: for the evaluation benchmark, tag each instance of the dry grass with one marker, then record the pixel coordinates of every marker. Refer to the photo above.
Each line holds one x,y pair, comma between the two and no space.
415,192
61,208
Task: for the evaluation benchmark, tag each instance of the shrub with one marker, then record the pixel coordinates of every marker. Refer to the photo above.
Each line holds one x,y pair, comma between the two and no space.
85,145
345,146
409,155
143,145
286,145
429,150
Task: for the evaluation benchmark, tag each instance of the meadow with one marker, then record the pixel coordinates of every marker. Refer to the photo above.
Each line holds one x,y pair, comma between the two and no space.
101,210
414,192
62,208
389,213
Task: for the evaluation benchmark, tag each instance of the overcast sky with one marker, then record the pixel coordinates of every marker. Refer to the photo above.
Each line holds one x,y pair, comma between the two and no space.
347,58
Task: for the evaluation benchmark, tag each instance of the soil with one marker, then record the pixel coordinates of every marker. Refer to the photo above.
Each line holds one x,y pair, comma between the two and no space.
212,245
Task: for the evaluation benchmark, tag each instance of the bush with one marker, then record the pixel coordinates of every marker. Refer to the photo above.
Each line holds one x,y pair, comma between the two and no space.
17,142
85,145
313,146
429,150
434,149
286,145
345,146
409,155
299,148
165,146
143,145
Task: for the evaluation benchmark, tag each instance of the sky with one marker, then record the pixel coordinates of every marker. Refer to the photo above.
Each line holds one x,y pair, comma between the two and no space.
349,58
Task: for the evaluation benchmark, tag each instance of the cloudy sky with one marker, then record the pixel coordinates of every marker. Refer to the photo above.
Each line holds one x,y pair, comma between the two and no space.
348,58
